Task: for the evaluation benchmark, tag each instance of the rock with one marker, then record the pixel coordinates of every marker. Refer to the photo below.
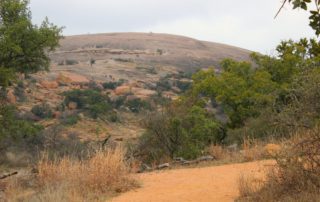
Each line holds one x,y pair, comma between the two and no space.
72,78
72,105
233,147
11,97
49,84
162,166
122,90
131,97
272,149
206,158
81,116
57,114
144,93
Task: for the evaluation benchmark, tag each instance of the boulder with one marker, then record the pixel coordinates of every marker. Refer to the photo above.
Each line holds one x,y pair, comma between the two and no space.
162,166
11,97
122,90
49,84
144,93
71,78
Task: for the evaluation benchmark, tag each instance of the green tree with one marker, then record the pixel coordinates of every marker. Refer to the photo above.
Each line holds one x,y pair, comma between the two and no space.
23,49
23,46
240,89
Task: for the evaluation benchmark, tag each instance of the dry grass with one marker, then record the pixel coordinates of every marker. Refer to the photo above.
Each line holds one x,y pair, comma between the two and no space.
250,151
296,176
104,171
248,184
218,152
97,178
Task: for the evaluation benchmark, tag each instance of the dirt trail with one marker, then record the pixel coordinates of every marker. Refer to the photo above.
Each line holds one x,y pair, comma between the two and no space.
207,184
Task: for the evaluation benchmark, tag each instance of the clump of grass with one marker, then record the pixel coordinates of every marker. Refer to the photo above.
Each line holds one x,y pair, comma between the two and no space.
104,171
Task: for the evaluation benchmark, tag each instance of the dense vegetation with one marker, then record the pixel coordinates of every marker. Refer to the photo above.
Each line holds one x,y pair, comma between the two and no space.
268,98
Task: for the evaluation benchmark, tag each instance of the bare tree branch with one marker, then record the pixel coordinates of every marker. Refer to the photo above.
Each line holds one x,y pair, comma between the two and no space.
284,2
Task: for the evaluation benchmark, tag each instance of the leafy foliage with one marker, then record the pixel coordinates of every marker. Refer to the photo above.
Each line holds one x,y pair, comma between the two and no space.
136,105
23,46
314,18
92,101
42,111
179,131
240,89
14,127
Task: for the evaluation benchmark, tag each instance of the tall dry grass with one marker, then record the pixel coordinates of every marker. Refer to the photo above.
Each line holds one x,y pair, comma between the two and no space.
103,171
102,175
296,177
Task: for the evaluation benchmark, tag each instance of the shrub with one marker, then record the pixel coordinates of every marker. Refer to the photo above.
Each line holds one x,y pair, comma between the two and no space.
159,51
113,84
136,105
13,127
119,101
184,86
123,60
180,133
71,62
99,46
91,101
113,117
94,86
71,119
92,61
163,85
43,111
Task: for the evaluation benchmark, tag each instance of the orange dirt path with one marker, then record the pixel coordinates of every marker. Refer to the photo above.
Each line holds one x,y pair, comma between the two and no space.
206,184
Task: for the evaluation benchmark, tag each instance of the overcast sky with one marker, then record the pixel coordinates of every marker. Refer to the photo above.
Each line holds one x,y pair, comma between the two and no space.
245,23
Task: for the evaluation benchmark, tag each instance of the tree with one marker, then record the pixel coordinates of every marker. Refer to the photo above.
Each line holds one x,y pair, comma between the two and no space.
23,46
314,19
23,49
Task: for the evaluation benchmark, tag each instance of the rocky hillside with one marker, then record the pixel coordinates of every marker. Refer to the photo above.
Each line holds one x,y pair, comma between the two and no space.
132,69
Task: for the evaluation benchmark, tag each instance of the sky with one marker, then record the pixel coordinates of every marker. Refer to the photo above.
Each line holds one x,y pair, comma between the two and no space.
248,24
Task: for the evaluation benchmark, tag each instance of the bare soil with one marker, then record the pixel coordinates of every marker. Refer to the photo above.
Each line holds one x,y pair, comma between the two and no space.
219,183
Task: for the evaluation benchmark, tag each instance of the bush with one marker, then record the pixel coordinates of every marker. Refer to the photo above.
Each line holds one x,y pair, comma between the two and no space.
71,62
91,101
99,46
13,127
184,86
123,60
113,117
43,111
70,120
112,84
182,132
163,85
136,105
